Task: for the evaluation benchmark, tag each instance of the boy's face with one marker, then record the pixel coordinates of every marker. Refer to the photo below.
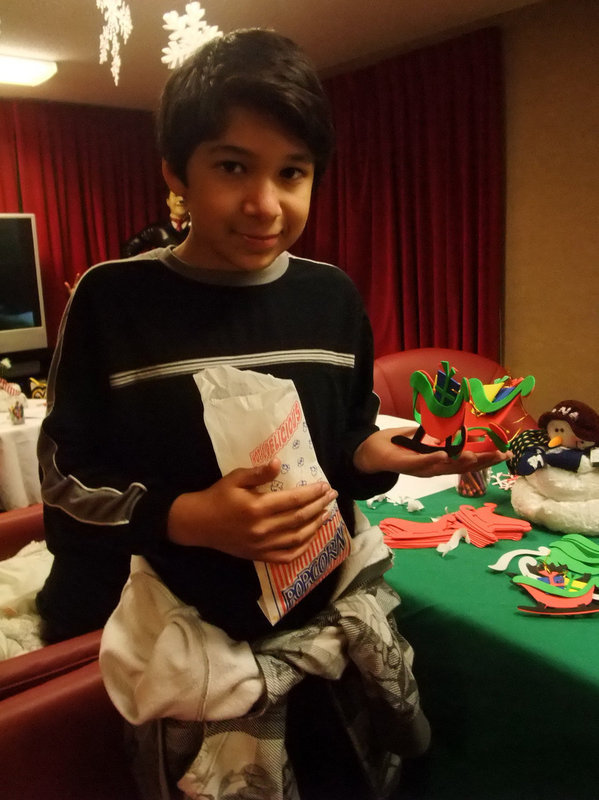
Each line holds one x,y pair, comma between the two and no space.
248,194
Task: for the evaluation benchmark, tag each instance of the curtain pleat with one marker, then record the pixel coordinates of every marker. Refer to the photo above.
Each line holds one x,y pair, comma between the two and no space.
9,180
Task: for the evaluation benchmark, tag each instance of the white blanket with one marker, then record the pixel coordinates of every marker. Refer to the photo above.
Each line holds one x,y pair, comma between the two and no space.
160,659
21,578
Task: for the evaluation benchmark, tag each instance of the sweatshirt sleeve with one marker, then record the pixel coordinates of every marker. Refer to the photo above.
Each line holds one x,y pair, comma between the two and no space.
364,407
82,470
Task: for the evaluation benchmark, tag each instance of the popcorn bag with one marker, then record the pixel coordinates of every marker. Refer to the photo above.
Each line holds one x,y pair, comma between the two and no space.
251,418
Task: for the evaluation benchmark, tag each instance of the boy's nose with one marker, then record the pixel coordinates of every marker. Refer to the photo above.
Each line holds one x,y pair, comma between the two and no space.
262,199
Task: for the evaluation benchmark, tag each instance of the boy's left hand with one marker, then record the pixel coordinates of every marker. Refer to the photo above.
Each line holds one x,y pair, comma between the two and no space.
377,453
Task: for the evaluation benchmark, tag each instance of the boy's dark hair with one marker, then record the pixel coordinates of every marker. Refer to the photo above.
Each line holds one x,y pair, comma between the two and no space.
257,69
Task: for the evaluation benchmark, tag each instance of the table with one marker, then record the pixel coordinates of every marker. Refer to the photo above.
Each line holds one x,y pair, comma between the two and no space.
19,477
513,698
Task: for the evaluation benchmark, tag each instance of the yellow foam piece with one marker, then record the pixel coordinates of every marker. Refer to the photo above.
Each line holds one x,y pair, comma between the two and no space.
491,389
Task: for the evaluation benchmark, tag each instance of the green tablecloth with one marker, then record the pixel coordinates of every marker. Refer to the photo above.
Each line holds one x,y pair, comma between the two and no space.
513,698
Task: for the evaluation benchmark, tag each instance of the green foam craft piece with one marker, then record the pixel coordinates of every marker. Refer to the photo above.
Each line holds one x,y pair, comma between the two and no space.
484,405
440,400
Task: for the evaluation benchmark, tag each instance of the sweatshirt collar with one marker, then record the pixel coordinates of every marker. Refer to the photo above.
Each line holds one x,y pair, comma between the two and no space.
224,277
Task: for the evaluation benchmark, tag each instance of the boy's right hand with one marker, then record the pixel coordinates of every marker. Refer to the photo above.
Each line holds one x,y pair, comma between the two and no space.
234,517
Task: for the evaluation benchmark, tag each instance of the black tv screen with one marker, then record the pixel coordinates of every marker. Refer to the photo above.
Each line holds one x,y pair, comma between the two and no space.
22,320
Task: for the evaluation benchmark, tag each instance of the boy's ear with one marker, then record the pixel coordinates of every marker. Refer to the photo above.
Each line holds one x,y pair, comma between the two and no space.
174,183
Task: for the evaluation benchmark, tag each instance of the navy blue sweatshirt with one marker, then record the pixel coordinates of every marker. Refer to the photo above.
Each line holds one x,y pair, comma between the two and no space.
125,434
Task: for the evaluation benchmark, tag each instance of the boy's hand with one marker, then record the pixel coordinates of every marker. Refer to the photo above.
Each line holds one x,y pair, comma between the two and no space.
234,517
377,453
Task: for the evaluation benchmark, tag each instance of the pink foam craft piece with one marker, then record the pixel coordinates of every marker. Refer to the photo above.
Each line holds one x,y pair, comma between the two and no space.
486,527
483,525
403,533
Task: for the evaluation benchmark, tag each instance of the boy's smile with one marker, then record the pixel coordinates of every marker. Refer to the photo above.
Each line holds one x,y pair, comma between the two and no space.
248,193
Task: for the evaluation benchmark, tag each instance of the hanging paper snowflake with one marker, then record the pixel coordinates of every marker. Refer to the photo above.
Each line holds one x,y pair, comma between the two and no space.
117,22
188,32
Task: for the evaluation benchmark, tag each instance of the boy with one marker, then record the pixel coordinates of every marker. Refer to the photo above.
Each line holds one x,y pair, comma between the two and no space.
128,467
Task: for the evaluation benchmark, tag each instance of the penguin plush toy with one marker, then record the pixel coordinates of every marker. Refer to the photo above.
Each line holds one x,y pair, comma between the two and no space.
558,469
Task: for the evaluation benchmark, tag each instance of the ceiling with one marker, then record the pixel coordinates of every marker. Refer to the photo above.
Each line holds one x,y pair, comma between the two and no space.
335,33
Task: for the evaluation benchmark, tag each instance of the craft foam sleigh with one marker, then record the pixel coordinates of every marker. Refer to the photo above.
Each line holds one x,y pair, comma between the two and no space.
456,415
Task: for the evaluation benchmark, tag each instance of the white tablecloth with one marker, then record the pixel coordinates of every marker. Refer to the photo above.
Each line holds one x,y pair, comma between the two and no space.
19,477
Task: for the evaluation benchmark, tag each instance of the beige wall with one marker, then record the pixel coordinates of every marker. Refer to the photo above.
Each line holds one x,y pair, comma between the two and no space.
552,244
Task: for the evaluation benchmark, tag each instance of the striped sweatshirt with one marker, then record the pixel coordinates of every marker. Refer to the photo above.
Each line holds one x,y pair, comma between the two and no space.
125,434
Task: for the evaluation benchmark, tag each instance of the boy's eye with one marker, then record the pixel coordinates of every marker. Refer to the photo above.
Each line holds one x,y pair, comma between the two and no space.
231,167
292,173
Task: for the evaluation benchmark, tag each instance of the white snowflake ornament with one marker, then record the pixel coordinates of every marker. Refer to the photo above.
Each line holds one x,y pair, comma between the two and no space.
117,22
188,32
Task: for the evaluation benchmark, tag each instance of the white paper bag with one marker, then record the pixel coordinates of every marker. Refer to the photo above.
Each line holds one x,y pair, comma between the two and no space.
251,418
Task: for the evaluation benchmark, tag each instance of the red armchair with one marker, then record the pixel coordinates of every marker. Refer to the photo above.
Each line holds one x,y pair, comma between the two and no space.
60,736
63,740
30,669
18,527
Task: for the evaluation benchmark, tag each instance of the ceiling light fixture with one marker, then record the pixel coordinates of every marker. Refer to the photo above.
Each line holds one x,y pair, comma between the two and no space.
25,71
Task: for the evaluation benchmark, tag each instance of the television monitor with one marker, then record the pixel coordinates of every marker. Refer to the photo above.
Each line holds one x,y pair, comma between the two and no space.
22,319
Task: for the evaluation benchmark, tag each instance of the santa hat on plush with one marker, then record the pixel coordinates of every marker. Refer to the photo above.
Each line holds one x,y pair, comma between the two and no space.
582,419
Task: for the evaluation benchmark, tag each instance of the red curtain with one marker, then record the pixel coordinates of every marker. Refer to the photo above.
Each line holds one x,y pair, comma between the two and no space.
90,175
412,207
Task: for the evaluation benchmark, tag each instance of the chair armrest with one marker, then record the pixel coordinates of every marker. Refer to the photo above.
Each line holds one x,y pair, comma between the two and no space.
20,526
63,740
21,672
